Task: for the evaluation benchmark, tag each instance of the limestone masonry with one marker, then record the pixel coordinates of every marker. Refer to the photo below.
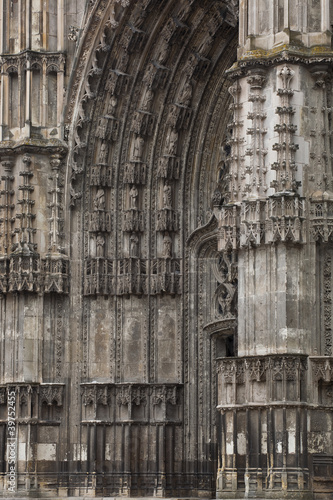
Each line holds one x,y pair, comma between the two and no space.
166,249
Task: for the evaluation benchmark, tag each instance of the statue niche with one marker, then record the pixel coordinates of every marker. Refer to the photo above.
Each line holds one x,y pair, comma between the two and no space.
222,312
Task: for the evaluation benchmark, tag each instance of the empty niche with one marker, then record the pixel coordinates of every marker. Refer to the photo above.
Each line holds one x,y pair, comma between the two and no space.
13,100
314,16
258,391
52,99
52,25
173,411
13,26
22,98
133,362
291,389
240,393
225,346
325,393
166,342
36,97
139,410
102,411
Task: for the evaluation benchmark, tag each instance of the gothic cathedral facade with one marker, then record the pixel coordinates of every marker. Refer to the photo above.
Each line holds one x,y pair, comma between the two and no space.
166,248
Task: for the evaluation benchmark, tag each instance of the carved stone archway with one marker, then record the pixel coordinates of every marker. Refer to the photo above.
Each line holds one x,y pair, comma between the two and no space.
148,120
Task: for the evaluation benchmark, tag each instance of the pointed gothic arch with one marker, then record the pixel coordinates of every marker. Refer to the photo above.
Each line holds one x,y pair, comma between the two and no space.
147,130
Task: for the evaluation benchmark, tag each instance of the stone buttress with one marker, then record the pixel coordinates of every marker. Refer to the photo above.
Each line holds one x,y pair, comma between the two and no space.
275,397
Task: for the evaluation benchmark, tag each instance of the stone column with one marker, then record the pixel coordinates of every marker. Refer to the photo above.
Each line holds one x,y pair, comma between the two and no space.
278,214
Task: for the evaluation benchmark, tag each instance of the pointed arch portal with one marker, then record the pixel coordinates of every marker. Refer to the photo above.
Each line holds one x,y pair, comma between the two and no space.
150,124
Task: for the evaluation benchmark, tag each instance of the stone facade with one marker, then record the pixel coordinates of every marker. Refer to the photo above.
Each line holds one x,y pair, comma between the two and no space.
166,215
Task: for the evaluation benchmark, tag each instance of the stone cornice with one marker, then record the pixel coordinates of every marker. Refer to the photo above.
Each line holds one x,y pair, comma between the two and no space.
32,145
52,59
292,54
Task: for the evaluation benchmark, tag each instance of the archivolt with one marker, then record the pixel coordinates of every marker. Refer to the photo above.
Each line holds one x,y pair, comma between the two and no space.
148,108
149,95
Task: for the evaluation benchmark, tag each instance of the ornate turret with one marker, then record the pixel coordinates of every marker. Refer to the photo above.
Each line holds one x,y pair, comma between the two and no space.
277,216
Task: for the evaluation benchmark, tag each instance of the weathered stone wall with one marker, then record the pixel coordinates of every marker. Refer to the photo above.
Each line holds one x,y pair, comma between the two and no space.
165,248
112,120
275,406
